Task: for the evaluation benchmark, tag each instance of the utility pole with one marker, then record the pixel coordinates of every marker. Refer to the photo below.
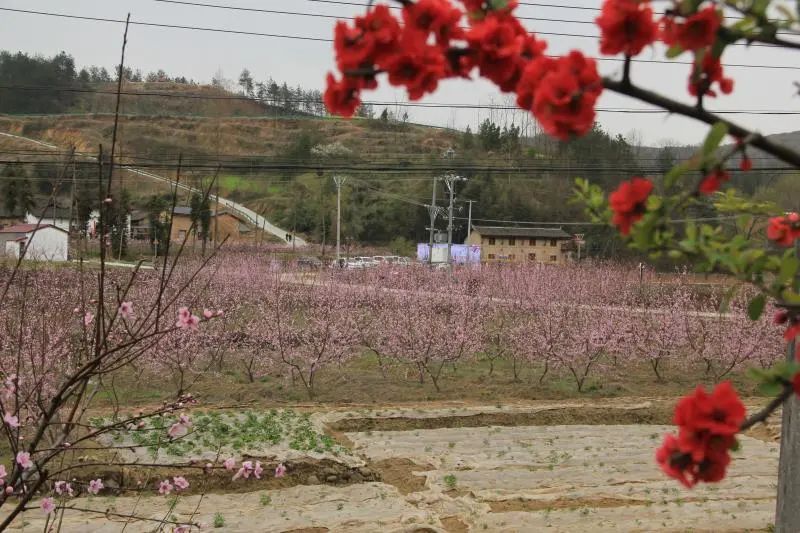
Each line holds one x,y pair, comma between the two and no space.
787,512
469,218
432,211
450,180
339,181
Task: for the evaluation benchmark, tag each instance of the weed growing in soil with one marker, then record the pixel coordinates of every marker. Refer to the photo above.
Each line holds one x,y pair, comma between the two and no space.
213,430
451,481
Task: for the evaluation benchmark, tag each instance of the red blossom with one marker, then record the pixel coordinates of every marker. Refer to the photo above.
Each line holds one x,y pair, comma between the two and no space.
701,79
720,413
746,164
707,426
678,464
353,47
712,181
796,383
372,37
479,7
531,78
434,16
497,42
564,101
342,97
416,66
693,32
784,230
626,27
793,331
628,202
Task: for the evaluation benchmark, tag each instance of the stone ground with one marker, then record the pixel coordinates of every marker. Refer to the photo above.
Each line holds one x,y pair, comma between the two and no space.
491,478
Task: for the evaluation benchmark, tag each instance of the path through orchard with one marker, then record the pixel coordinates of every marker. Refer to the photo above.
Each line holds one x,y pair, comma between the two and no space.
534,466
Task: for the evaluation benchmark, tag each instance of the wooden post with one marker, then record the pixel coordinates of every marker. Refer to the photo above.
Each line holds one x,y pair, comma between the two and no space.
787,513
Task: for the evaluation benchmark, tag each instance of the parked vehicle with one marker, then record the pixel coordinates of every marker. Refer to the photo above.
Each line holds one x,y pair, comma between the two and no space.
309,262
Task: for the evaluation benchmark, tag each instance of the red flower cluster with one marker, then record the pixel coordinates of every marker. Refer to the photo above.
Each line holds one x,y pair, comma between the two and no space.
707,427
378,41
418,53
703,77
793,329
561,93
628,202
784,230
712,182
626,27
501,47
696,31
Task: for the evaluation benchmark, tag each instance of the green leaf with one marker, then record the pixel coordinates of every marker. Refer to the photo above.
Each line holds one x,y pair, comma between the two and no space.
756,307
674,51
714,138
770,388
789,268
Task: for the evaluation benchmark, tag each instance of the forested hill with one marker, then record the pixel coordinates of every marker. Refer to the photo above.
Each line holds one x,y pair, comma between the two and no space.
279,154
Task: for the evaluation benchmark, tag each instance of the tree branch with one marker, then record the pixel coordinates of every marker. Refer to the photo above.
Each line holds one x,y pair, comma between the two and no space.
765,413
759,141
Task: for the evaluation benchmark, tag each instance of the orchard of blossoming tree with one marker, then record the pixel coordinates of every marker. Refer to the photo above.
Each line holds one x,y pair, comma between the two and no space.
428,42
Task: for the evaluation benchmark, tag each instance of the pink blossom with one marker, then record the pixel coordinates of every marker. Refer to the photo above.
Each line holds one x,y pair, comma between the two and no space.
3,474
182,529
177,430
88,318
220,312
244,471
180,483
208,314
184,419
280,470
165,487
24,460
229,463
186,320
126,310
257,470
9,490
95,486
48,505
11,420
62,487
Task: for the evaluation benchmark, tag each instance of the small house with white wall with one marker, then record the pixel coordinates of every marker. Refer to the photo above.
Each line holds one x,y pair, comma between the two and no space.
38,242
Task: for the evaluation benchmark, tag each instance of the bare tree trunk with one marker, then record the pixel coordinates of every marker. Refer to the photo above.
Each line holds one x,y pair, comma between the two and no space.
787,512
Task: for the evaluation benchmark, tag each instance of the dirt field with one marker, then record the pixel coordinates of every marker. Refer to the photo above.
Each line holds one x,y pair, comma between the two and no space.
455,467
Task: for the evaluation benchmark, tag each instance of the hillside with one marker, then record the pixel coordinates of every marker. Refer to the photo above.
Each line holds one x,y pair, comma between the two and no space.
257,146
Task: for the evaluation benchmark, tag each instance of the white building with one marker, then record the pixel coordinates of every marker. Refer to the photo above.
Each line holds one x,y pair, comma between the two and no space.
43,242
47,220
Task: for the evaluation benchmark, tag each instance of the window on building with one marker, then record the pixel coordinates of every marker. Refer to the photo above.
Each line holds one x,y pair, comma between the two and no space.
512,241
511,257
532,242
531,257
491,256
491,240
553,258
553,242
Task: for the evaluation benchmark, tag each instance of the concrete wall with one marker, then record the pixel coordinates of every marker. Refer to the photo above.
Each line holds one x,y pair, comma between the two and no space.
521,250
46,244
62,223
227,226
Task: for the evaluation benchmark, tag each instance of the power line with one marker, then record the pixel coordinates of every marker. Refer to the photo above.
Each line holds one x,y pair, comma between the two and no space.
529,4
433,105
327,40
444,167
323,15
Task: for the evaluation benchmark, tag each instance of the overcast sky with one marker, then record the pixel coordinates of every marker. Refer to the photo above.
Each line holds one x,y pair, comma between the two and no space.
199,54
